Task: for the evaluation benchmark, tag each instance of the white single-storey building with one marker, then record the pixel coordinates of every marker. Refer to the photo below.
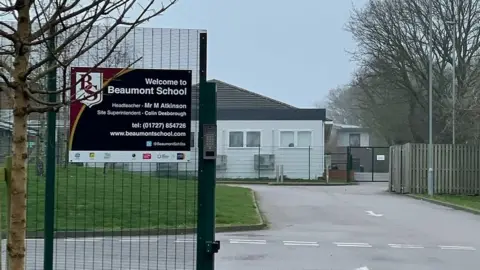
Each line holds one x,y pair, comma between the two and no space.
256,135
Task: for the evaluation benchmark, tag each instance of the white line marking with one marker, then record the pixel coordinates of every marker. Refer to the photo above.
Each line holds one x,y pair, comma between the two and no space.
139,240
362,268
352,244
248,240
371,213
405,246
346,243
244,241
185,240
83,239
300,243
457,248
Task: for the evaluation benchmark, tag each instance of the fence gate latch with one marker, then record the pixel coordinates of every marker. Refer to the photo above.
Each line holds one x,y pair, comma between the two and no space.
213,247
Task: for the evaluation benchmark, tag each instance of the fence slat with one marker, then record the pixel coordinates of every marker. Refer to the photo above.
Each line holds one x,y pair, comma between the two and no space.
456,169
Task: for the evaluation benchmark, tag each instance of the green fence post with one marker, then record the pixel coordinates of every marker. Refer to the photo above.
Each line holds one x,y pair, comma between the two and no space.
8,177
258,164
309,162
206,244
50,164
373,164
349,163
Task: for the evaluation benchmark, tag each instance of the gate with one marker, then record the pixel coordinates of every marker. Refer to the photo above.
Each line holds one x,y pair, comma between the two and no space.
338,167
369,164
128,215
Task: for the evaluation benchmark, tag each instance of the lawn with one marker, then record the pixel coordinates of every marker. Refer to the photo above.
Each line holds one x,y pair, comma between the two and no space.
467,201
86,199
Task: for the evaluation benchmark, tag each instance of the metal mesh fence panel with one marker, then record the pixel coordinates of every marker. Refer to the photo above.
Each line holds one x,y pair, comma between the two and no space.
115,215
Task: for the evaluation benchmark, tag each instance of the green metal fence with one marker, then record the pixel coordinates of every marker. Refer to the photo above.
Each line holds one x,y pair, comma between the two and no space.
123,215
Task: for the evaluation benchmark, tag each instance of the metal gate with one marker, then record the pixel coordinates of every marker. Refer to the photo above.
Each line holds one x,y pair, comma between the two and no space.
369,164
128,215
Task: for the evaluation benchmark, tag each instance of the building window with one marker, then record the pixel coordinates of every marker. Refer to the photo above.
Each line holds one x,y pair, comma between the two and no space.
235,139
291,138
192,139
354,139
253,139
287,138
304,138
244,139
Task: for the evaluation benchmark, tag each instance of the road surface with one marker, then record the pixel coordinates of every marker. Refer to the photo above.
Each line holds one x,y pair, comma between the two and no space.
355,227
312,228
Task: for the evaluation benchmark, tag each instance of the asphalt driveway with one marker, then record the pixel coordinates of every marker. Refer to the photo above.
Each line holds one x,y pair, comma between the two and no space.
315,227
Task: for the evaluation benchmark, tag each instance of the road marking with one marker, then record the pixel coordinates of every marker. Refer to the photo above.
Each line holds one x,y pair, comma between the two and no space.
405,246
362,268
83,239
185,240
456,248
364,245
246,241
300,243
139,240
371,213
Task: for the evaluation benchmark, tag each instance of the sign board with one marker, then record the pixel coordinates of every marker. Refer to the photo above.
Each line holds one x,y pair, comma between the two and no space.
380,157
130,115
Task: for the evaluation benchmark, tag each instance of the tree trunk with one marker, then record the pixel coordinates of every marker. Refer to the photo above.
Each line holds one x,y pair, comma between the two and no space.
412,120
18,193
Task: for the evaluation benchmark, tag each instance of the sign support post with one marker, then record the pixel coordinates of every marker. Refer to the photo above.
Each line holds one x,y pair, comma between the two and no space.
206,244
50,163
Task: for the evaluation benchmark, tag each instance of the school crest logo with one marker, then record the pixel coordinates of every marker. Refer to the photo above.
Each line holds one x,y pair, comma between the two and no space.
88,86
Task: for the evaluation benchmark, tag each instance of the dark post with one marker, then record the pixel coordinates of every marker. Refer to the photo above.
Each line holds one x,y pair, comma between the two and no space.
259,162
349,163
206,244
401,169
309,161
50,161
373,164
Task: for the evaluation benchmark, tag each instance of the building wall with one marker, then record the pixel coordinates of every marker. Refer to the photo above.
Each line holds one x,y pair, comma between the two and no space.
304,163
343,138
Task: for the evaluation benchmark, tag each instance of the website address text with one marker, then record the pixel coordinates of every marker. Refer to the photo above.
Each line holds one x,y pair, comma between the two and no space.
147,134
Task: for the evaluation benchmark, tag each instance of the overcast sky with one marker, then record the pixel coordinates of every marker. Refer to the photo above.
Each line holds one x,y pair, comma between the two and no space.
293,51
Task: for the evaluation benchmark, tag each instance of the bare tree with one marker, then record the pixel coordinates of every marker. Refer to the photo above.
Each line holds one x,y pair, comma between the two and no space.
390,92
23,68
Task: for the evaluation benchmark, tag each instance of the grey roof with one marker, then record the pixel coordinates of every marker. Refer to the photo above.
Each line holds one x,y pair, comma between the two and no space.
267,114
234,97
235,103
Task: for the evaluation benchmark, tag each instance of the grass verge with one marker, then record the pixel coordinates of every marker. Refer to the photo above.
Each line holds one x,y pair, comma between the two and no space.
87,199
472,202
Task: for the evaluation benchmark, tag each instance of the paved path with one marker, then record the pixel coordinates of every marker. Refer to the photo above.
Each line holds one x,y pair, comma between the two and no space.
313,228
352,227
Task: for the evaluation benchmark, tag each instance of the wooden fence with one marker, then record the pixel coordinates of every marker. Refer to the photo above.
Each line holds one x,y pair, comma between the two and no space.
456,169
